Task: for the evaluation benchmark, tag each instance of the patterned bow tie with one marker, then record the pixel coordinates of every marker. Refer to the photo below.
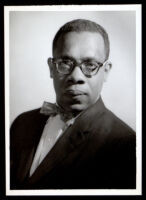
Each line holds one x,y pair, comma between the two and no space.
52,109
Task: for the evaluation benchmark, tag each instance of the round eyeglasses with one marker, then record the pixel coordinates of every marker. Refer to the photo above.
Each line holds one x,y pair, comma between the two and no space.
66,66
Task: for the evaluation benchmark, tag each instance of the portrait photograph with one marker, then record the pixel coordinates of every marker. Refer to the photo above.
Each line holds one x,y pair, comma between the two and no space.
73,100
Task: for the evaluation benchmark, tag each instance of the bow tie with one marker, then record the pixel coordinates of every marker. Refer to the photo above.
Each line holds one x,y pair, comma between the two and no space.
53,109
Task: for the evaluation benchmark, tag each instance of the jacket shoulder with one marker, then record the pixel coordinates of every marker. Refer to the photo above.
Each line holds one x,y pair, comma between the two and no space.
112,131
119,126
27,114
121,139
28,117
27,126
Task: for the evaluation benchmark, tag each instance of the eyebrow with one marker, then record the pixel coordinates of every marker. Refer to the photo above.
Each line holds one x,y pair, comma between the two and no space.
84,59
90,59
67,57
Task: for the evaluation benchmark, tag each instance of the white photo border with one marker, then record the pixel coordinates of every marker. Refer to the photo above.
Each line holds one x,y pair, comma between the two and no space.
134,7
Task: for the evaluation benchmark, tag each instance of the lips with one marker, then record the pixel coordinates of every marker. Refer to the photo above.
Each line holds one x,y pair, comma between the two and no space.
75,92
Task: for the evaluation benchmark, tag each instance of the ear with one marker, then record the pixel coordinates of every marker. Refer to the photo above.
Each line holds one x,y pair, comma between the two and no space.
107,68
50,64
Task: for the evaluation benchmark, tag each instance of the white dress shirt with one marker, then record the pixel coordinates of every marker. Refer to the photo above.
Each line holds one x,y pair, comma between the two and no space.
52,131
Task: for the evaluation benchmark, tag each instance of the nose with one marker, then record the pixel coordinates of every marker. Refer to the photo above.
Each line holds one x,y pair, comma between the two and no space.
76,76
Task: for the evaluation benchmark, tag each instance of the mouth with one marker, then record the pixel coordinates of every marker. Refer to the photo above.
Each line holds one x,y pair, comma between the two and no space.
75,92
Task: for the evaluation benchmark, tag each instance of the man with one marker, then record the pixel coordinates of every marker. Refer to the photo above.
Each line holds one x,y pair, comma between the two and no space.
76,143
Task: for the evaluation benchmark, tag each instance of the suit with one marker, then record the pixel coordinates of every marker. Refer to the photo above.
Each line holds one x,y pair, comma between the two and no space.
97,152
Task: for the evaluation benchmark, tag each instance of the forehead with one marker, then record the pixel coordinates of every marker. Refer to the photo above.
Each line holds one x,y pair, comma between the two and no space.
80,43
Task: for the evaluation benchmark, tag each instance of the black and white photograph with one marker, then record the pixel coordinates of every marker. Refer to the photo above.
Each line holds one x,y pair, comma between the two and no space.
73,106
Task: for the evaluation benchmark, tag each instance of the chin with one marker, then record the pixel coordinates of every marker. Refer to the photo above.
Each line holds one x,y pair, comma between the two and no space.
78,107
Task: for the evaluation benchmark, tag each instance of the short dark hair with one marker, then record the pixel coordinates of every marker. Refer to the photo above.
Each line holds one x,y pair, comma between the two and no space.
80,25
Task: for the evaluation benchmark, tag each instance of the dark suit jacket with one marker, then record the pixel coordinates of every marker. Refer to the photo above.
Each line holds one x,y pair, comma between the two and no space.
97,151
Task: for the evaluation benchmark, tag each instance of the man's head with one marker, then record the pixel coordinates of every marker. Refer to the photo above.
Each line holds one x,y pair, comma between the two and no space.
80,66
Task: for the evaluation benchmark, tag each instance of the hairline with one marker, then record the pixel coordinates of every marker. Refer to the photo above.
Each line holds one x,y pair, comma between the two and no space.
91,27
64,35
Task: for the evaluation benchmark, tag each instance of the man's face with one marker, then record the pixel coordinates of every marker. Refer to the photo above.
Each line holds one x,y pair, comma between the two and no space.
75,91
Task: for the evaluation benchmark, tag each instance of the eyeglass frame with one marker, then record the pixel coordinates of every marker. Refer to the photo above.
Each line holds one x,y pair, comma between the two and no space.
75,64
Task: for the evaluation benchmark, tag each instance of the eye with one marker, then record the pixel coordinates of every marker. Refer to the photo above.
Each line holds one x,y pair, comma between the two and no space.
65,63
64,66
91,66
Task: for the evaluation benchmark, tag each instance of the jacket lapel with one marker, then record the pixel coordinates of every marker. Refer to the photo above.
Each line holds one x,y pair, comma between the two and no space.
72,138
25,163
29,147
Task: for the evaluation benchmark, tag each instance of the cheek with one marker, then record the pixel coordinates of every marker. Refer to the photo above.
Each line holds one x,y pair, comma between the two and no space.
95,85
58,83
